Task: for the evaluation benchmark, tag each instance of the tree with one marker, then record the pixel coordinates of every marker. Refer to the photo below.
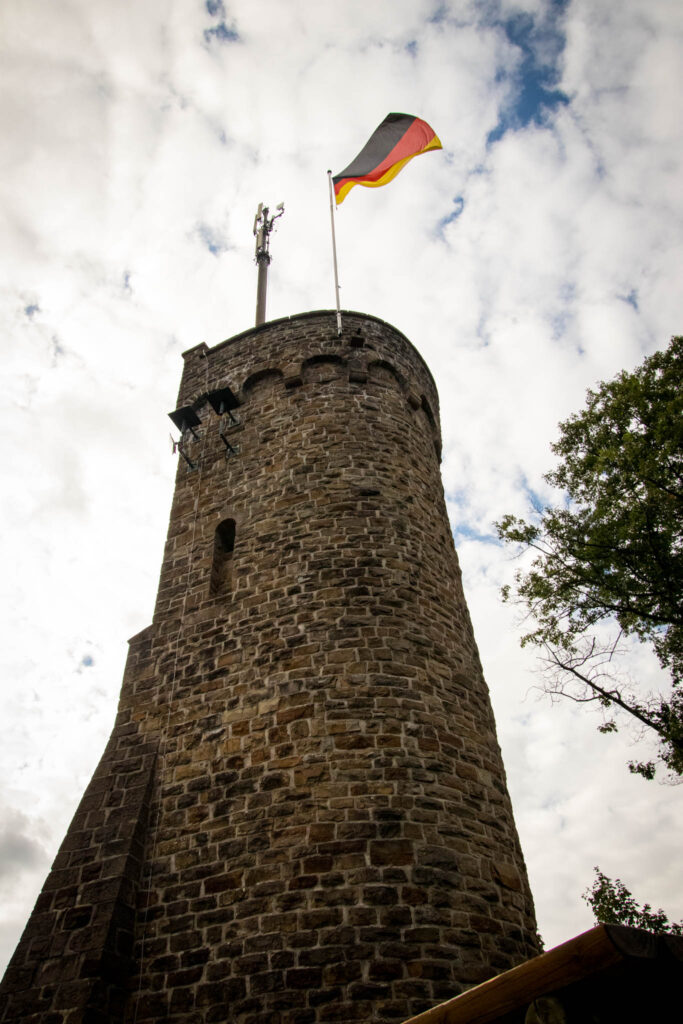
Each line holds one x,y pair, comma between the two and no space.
612,553
612,903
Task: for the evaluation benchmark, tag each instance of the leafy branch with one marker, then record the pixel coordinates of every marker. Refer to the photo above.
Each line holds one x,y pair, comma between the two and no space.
613,552
612,903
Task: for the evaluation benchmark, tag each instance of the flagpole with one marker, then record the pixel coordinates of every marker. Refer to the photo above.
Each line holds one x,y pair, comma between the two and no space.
334,253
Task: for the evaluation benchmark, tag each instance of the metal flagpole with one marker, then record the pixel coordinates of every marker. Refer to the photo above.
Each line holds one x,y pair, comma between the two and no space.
334,253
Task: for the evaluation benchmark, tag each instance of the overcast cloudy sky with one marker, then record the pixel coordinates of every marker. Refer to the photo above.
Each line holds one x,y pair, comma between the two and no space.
537,254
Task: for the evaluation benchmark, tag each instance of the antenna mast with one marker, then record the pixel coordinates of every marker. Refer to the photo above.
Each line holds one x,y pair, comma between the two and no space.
263,225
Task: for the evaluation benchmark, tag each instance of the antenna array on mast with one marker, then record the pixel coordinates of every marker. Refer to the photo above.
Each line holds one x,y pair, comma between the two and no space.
263,225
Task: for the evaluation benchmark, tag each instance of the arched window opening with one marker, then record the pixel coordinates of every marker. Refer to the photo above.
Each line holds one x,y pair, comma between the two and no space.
266,376
323,368
382,372
323,357
223,551
428,412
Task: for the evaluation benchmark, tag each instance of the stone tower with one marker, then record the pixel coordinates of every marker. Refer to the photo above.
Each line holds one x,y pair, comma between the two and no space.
301,815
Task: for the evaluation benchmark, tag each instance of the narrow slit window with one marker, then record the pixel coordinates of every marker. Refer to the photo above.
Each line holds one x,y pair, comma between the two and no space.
223,551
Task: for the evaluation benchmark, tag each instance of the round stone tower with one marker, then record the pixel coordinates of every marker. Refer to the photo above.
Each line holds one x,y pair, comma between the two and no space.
302,814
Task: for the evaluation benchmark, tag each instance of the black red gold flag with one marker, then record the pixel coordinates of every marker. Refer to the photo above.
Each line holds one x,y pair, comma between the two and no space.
397,140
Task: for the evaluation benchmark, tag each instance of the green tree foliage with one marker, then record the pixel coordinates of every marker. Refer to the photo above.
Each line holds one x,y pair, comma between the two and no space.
612,903
613,552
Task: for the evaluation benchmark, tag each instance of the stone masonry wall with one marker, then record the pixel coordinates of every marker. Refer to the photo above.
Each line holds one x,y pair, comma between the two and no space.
330,836
73,962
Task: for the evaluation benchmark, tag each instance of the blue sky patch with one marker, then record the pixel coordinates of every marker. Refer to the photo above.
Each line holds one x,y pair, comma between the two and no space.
459,204
212,239
631,299
465,532
438,16
222,32
31,310
534,499
565,314
533,92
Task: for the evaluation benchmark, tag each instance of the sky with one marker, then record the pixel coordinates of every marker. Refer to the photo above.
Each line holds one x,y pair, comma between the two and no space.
537,254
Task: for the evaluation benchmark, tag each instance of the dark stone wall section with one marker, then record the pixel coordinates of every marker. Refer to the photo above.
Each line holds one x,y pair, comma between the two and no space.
73,962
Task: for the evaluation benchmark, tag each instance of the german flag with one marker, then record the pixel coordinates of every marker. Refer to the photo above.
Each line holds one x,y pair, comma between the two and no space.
398,139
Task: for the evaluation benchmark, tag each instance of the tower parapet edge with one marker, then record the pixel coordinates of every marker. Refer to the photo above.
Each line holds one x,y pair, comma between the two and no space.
316,826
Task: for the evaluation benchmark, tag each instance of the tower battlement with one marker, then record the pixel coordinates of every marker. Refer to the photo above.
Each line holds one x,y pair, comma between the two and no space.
285,347
302,814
